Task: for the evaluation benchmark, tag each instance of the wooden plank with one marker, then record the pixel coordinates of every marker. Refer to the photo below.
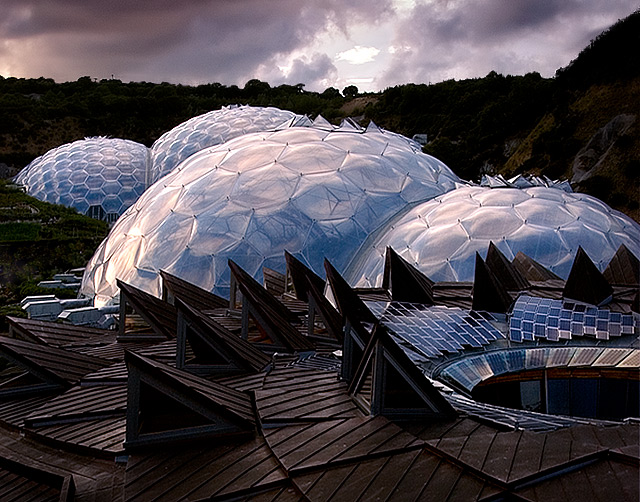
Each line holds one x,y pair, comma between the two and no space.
159,473
388,476
442,483
528,456
468,487
476,448
501,454
354,484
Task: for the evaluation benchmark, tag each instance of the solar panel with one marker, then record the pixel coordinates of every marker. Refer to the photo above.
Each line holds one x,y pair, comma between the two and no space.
554,320
436,331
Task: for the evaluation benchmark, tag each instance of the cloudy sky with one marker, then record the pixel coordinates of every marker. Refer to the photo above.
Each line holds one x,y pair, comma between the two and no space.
321,43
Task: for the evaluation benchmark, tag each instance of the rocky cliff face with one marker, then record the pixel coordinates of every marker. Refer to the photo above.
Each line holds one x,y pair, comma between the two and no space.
590,159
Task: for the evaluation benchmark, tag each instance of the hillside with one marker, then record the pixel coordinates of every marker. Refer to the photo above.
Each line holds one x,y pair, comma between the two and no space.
38,239
581,125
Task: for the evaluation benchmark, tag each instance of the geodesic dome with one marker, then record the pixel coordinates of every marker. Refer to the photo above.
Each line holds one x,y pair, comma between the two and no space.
100,177
440,237
314,191
210,129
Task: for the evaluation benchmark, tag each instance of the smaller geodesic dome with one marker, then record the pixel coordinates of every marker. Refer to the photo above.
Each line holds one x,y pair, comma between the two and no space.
213,128
316,191
440,237
100,177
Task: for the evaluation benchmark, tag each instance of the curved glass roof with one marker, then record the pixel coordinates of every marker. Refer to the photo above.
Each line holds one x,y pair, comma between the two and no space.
441,236
315,191
99,176
210,129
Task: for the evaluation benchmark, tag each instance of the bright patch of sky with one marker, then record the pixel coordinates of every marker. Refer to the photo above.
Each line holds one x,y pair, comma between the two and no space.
320,43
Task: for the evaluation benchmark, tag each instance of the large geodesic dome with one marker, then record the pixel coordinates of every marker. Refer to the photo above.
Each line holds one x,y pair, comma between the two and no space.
314,191
213,128
100,177
441,236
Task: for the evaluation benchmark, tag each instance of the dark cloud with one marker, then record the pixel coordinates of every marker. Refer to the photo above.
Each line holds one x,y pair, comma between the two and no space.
467,38
318,68
232,41
185,41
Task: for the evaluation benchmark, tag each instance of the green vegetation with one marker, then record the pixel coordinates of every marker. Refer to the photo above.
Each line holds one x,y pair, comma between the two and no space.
37,240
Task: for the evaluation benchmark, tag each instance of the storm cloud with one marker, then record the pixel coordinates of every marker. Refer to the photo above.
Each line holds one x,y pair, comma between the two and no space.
286,41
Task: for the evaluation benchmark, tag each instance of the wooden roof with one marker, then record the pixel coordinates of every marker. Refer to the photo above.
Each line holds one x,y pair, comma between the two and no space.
19,482
324,443
51,364
207,336
160,315
219,472
96,479
57,334
81,403
100,437
272,316
292,396
280,431
195,296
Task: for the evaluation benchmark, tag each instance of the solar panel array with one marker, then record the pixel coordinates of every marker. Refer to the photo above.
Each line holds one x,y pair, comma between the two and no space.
533,318
431,332
470,371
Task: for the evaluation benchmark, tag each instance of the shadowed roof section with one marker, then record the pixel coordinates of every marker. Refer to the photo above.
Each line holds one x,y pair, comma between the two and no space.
55,364
406,282
58,334
623,269
213,336
585,282
160,315
489,294
195,296
26,483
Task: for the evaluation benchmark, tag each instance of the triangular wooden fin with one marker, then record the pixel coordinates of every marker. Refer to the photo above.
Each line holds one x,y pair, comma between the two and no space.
348,301
388,383
586,283
406,282
531,269
275,319
489,294
506,273
197,297
623,269
159,315
301,275
165,404
214,349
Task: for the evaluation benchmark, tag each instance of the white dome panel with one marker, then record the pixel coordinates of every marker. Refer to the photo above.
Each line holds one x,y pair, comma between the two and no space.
259,194
547,224
108,173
